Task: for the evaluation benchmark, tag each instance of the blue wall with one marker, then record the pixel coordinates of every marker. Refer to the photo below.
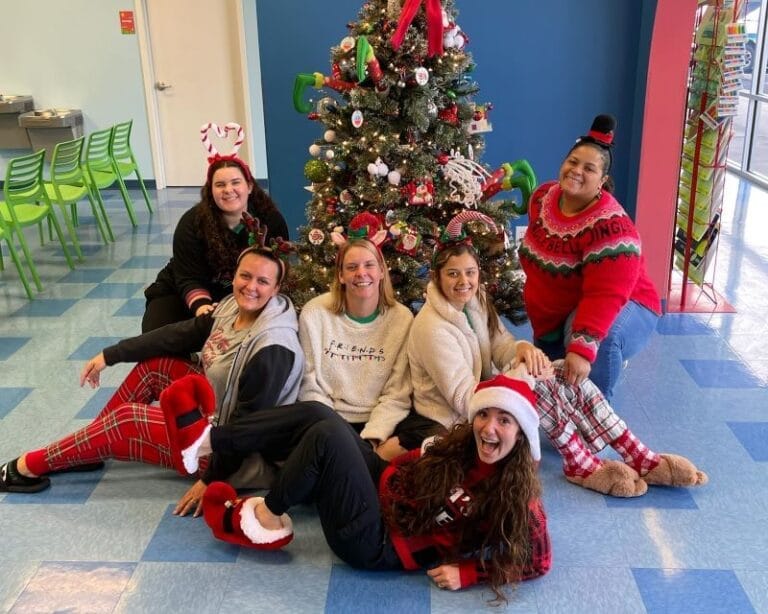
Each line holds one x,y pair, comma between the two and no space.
547,66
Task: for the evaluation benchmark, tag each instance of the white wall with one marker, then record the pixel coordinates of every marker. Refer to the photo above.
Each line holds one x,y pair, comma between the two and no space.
72,54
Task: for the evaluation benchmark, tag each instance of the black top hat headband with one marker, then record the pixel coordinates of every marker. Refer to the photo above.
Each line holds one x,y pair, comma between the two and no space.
600,134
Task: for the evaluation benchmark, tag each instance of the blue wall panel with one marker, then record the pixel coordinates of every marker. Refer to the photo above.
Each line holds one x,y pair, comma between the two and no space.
547,66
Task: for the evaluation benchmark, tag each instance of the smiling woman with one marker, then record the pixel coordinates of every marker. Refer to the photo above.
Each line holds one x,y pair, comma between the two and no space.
587,293
206,243
249,353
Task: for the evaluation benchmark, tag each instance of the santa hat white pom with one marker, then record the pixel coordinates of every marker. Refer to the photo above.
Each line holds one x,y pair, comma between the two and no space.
515,397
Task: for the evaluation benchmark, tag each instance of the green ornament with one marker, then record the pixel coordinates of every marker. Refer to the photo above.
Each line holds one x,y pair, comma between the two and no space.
316,171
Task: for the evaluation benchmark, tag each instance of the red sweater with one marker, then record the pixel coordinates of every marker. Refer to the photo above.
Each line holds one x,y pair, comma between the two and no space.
438,546
590,262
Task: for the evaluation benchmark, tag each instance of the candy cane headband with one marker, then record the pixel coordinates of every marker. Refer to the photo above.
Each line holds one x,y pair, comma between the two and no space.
213,153
454,233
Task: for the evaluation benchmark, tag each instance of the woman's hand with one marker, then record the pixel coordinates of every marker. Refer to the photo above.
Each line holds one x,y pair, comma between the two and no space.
191,501
91,370
576,368
203,309
446,577
534,359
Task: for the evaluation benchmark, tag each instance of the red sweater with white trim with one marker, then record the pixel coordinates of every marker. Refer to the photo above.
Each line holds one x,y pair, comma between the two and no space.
439,546
590,262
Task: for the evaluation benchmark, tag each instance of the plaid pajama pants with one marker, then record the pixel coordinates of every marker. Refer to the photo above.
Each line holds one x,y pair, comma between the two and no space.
129,428
565,409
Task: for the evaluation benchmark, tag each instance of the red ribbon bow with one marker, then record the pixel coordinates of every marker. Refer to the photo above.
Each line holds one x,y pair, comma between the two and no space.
434,25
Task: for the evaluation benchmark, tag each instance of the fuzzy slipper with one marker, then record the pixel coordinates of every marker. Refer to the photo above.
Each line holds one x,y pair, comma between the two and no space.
233,520
675,470
612,478
188,404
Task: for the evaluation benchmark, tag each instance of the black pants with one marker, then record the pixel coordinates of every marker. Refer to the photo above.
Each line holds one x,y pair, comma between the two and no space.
162,310
325,462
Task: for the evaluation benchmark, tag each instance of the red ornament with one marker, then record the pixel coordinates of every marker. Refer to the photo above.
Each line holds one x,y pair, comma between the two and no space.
450,114
419,191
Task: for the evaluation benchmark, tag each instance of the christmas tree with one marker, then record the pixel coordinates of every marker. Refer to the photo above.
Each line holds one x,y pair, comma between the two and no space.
401,139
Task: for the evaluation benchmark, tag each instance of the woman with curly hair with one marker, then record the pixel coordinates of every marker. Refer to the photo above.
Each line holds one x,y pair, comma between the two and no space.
206,243
457,340
466,507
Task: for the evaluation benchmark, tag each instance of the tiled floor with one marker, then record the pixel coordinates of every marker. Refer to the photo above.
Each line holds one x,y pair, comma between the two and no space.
107,542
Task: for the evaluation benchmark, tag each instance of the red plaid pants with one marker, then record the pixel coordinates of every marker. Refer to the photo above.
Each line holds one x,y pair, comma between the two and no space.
129,428
565,409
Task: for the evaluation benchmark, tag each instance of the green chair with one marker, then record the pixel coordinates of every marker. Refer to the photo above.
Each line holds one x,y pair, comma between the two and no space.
27,204
101,169
122,154
67,186
5,233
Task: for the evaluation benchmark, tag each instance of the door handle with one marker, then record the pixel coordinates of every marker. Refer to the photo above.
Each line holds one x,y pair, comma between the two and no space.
162,85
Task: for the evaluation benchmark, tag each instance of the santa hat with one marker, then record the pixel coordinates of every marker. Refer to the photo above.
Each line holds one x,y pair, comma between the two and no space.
187,404
515,397
233,520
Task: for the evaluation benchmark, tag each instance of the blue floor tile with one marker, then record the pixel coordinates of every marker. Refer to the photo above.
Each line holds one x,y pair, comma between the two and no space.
44,308
10,398
10,345
66,489
145,262
95,404
721,374
353,590
682,591
187,540
92,346
657,497
754,437
93,587
682,324
94,276
113,290
133,307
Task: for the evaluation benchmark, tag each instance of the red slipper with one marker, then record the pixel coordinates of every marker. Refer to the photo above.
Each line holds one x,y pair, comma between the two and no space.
233,520
188,404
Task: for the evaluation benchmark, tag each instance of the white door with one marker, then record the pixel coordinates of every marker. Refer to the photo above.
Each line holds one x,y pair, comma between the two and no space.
198,77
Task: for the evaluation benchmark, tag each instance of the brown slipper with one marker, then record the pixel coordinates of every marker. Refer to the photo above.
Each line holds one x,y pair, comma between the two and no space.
613,478
675,470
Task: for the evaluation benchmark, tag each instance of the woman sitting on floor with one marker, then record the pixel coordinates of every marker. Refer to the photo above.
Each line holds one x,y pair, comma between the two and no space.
250,354
457,341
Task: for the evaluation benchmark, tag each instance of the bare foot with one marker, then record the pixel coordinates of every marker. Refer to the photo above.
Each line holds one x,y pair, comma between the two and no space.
266,518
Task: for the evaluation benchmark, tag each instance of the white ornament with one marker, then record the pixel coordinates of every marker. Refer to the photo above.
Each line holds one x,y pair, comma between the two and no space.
346,197
314,149
378,168
329,154
316,236
421,75
393,178
465,178
357,118
347,43
329,136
